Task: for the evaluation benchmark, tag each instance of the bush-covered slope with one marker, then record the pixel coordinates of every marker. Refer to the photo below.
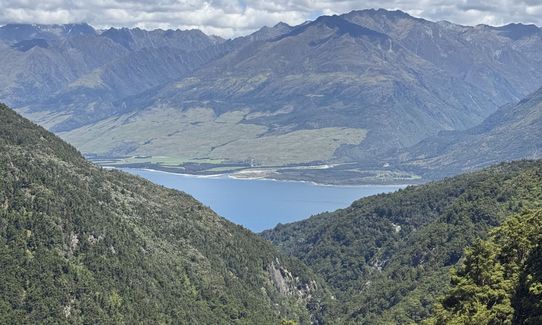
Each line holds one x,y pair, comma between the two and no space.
79,244
500,280
387,257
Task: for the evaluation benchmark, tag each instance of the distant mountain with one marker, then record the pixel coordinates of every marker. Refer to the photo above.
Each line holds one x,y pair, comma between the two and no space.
331,73
80,244
387,257
42,61
511,133
484,57
136,38
15,33
335,91
95,95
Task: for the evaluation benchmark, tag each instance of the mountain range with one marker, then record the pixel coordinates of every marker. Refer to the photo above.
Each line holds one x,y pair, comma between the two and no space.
356,92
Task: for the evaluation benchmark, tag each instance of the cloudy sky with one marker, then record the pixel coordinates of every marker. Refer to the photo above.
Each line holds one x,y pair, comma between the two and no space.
229,18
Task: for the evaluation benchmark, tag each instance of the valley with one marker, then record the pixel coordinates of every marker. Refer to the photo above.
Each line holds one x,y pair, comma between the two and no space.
364,167
104,245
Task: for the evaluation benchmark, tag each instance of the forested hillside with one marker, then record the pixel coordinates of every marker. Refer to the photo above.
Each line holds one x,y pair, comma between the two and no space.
83,245
500,280
387,257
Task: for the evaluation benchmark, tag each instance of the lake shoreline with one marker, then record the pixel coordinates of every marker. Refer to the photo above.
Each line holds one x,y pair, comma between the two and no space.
272,175
236,176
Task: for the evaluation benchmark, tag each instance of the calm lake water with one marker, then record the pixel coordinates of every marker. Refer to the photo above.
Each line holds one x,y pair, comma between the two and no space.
261,204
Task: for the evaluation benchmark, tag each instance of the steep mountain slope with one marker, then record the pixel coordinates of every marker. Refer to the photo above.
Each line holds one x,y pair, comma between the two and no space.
489,58
388,256
41,62
500,280
513,132
149,59
102,92
79,244
32,74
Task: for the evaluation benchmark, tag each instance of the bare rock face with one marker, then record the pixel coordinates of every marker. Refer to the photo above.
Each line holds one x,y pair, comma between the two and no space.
304,292
287,284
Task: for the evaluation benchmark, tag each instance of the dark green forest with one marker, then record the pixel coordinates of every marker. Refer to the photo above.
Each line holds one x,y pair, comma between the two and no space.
84,245
500,279
387,257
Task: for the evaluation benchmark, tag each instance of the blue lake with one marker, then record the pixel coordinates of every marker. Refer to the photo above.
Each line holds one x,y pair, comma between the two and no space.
261,204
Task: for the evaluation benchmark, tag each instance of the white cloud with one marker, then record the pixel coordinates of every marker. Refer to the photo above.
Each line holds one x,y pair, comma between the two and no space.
230,18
